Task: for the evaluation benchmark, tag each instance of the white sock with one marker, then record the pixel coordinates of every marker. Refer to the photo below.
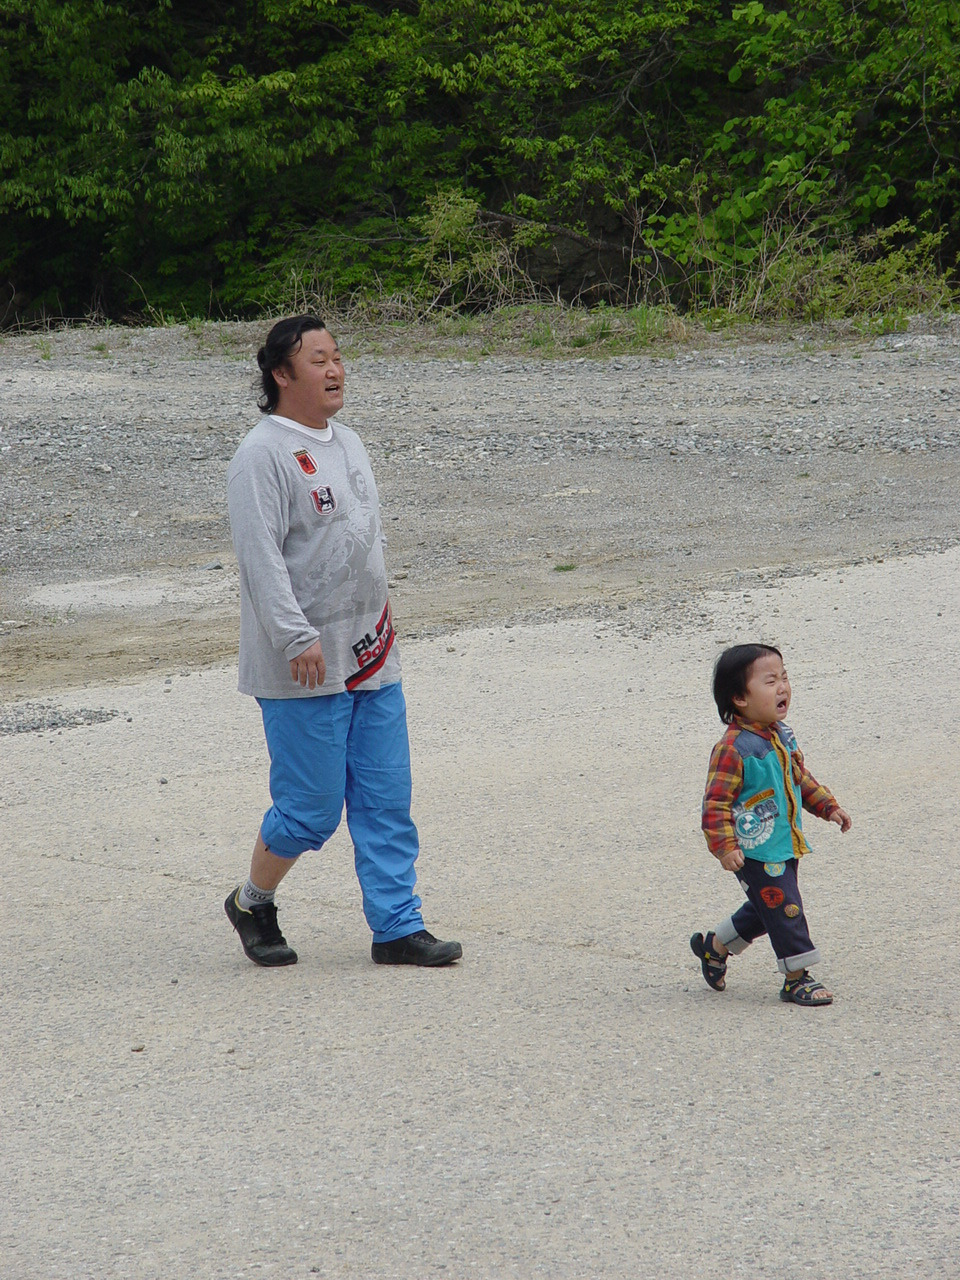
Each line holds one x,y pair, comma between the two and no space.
250,896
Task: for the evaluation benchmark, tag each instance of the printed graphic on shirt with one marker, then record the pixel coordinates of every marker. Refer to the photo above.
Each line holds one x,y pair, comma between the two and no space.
753,819
774,869
323,499
305,462
791,910
771,896
371,650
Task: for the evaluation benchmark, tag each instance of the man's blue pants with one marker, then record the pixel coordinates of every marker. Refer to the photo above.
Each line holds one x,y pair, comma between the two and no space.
348,748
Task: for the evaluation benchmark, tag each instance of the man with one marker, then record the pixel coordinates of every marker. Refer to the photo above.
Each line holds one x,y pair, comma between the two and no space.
318,652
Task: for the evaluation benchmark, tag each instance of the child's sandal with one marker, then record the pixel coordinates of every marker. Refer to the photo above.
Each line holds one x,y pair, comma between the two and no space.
714,969
803,991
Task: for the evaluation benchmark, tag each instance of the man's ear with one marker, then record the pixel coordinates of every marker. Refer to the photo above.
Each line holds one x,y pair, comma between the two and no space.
281,375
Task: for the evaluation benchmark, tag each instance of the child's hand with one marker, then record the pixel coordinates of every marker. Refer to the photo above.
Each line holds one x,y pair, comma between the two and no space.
842,819
731,861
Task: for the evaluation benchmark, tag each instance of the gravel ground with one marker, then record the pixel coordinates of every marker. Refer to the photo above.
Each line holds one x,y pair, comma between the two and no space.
513,488
571,1101
572,542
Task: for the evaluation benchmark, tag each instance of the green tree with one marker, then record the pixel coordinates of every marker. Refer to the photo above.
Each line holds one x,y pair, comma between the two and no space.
149,152
157,155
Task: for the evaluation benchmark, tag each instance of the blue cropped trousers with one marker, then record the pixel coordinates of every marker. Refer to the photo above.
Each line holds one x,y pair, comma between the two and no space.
348,749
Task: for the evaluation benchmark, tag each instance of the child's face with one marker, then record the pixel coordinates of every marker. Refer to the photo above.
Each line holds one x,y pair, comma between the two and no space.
767,696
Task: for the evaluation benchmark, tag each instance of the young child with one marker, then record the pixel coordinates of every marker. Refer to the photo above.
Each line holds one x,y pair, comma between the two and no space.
757,785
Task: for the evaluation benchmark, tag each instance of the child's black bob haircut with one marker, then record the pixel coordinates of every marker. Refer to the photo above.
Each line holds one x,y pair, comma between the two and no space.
731,673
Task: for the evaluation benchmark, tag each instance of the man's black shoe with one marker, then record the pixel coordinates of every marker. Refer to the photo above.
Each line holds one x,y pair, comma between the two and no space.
416,948
259,932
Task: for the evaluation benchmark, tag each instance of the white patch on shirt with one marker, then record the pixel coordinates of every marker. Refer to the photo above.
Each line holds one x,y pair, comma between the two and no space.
324,500
753,826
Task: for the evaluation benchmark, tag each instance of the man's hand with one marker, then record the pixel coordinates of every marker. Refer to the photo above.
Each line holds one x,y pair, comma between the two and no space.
842,819
309,668
731,861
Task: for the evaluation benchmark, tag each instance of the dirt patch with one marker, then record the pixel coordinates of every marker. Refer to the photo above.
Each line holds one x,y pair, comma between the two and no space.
513,488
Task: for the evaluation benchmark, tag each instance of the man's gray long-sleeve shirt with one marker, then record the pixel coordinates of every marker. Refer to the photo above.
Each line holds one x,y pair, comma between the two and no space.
305,519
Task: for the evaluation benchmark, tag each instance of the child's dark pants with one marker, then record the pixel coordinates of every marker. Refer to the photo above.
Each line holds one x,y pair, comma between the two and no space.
774,907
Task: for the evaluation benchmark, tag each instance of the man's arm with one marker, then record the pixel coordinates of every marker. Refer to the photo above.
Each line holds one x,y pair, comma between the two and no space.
258,524
309,668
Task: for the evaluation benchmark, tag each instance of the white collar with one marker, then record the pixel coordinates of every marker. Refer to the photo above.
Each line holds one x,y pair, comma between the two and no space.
313,433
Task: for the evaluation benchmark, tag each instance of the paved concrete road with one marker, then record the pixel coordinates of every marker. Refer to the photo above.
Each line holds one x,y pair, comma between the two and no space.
571,1100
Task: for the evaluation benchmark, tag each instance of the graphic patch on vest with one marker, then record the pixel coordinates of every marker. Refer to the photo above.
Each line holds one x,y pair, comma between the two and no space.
305,462
323,499
753,819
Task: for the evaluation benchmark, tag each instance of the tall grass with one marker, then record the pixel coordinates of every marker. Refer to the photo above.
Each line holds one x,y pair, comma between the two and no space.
471,276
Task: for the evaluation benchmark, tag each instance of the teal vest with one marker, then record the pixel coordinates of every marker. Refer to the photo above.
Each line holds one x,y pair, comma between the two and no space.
762,810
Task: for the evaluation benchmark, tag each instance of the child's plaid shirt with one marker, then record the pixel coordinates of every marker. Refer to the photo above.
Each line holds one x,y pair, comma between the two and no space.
725,782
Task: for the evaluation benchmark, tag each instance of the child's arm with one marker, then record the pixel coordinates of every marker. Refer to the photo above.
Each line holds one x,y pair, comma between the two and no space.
816,798
724,782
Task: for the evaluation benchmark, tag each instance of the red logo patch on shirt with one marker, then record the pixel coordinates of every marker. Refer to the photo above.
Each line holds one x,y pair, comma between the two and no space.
323,499
305,462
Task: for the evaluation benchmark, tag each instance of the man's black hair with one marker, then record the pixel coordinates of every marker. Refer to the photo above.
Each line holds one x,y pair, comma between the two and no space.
731,672
282,342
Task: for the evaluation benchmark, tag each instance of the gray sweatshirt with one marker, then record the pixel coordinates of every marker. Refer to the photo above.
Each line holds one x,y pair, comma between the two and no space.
305,519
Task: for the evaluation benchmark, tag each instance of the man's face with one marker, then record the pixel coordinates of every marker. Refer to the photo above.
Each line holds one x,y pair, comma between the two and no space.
311,381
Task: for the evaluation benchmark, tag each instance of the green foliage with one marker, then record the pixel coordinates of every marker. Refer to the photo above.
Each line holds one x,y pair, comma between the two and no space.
157,157
881,278
855,111
464,261
160,144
